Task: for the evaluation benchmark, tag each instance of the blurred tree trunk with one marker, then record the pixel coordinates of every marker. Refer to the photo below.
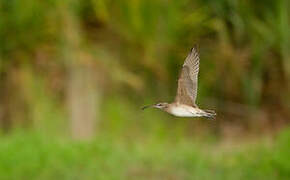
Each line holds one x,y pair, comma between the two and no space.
81,86
5,103
82,101
13,107
4,123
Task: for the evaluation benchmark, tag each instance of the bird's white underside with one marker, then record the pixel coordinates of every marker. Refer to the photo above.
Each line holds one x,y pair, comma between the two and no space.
185,111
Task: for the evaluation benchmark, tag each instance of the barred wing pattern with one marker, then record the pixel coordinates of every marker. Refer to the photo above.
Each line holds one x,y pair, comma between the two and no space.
187,82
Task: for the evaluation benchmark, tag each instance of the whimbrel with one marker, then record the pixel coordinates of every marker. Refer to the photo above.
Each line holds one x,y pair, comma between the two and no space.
184,104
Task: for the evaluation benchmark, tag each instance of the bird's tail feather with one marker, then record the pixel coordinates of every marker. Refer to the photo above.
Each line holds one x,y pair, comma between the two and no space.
209,114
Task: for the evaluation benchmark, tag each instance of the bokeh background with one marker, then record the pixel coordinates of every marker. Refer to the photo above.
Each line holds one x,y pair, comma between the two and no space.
74,75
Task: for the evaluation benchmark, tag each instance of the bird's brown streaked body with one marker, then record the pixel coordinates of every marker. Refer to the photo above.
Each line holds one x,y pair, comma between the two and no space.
184,104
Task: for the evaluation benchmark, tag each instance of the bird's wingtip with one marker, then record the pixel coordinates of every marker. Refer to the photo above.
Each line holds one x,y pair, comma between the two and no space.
194,47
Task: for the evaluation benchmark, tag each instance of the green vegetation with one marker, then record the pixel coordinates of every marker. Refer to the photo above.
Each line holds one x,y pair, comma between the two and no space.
30,156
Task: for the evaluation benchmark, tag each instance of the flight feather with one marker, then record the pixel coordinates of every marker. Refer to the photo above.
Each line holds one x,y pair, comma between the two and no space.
187,82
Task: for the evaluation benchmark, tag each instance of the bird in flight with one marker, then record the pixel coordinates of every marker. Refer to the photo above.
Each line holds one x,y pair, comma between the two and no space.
184,104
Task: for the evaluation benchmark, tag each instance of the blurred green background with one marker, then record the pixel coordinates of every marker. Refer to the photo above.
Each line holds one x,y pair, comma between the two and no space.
74,75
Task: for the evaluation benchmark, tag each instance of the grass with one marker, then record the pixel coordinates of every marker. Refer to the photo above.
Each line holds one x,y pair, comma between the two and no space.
31,156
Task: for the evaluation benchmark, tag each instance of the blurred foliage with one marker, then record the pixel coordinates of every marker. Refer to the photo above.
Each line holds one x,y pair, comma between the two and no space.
129,52
84,69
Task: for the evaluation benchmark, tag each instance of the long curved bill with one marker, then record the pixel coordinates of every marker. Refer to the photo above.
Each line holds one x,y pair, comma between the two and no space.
145,107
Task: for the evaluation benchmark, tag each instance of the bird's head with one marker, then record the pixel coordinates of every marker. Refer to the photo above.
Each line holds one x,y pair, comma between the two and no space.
158,105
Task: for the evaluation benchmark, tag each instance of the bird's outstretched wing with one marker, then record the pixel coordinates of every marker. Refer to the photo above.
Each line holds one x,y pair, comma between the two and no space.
187,82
